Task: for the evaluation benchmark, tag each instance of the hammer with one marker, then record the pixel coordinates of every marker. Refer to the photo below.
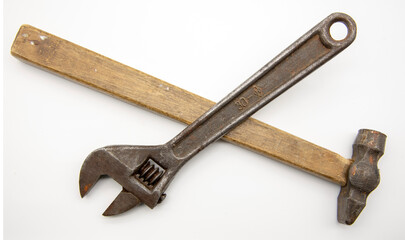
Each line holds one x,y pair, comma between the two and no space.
357,176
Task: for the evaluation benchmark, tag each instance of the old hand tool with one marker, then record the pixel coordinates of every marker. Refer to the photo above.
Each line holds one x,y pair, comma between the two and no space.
146,171
74,62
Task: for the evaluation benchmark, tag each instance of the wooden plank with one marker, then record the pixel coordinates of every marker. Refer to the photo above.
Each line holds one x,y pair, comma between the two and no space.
71,61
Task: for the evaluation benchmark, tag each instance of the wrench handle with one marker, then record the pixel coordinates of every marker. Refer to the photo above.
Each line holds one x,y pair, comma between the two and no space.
305,55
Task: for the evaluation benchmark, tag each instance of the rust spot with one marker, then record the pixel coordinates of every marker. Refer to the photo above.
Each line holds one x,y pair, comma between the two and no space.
371,159
86,187
354,170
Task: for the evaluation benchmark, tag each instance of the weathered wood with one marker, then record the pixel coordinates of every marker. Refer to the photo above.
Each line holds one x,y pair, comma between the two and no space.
101,73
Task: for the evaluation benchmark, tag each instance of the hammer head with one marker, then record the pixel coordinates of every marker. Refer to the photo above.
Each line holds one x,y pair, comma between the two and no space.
363,176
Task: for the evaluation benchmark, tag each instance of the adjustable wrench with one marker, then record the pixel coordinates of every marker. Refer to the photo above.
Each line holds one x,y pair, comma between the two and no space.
145,172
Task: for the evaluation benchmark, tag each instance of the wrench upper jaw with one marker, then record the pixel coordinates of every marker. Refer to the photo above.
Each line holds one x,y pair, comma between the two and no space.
93,169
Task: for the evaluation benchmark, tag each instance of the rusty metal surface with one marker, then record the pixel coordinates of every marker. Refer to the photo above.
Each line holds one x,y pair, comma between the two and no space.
363,175
145,172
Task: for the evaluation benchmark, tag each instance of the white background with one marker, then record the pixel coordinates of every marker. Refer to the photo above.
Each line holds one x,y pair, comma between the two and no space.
209,48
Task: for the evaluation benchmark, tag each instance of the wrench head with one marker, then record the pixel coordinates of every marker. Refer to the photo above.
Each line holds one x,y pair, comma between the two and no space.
144,172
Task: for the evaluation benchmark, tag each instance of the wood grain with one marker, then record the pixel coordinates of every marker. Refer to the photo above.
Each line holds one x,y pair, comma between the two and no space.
71,61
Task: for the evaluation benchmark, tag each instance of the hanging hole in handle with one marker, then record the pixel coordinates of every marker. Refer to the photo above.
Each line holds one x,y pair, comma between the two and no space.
338,31
341,38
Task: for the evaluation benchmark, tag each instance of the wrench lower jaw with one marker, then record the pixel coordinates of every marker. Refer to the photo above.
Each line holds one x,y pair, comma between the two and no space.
122,203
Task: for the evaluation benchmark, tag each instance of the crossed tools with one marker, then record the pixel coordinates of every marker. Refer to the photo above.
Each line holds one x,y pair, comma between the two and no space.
146,171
